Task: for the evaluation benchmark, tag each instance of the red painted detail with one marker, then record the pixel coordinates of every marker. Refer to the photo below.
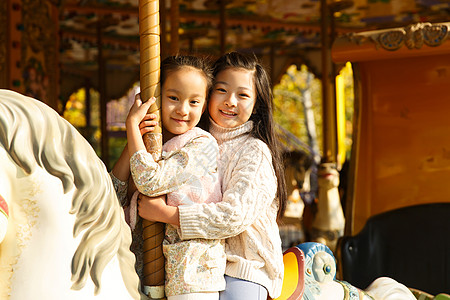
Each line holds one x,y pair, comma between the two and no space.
4,206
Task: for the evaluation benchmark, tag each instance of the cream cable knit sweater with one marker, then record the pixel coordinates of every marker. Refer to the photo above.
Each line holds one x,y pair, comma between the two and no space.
246,217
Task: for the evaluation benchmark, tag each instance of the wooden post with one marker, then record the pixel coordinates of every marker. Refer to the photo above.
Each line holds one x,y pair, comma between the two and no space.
149,80
174,26
328,105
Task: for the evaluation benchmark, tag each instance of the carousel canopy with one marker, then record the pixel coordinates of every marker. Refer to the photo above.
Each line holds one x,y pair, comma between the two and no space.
285,28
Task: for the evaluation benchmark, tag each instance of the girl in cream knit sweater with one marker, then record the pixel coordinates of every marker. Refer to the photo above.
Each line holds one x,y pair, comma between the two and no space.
254,195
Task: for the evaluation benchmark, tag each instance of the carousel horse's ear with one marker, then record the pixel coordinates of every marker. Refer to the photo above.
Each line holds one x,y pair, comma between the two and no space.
4,214
294,268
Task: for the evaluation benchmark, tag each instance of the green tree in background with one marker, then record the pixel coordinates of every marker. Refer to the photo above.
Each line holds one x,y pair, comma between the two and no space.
298,108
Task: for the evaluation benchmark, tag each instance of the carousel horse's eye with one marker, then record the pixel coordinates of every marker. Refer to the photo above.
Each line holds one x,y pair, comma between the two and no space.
327,269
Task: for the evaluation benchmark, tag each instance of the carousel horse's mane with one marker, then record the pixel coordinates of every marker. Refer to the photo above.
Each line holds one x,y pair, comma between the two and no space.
36,136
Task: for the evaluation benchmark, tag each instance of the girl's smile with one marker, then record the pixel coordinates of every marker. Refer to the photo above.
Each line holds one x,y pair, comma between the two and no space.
180,121
228,113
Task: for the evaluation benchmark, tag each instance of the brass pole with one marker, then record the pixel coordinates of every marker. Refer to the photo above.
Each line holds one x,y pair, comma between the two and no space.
328,105
150,60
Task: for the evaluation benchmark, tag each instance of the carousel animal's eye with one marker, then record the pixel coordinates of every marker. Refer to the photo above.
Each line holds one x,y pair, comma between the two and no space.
324,267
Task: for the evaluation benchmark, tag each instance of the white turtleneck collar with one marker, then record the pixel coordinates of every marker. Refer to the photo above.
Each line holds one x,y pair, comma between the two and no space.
223,134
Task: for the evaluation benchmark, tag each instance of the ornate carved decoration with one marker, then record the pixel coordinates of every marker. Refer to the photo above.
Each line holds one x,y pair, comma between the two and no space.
391,40
39,50
3,45
413,36
435,35
356,38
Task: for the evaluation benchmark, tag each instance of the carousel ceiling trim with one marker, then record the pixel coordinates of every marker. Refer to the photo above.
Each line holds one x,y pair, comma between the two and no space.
400,41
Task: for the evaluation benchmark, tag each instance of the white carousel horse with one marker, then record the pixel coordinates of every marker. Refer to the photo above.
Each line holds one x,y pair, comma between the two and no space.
310,274
66,237
329,222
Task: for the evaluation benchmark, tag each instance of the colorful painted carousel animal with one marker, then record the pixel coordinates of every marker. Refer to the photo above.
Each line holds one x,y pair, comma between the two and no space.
64,234
310,274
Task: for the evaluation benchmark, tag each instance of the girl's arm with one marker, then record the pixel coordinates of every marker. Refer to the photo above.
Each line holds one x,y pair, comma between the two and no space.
121,169
249,193
152,178
157,210
175,169
135,116
119,176
120,173
202,154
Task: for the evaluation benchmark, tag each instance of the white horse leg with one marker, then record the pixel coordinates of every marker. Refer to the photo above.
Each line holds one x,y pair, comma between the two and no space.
386,288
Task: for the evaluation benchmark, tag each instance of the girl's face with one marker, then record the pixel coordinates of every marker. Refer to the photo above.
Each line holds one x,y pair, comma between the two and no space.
183,100
233,97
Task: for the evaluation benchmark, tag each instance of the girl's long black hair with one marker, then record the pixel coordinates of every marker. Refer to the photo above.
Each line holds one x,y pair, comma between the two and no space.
262,117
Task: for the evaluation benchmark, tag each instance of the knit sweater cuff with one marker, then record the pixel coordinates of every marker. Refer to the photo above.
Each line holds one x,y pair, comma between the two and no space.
189,222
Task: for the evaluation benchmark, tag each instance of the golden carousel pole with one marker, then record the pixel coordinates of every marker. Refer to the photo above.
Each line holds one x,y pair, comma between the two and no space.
328,105
149,80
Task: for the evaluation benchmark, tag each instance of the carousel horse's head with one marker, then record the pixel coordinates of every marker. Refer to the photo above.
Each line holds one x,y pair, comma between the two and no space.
309,269
65,236
319,269
328,175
